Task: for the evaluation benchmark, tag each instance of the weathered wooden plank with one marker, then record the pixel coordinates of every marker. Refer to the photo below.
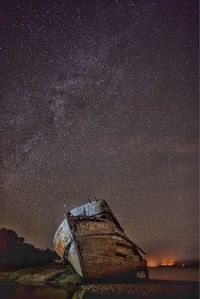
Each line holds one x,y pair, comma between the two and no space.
96,245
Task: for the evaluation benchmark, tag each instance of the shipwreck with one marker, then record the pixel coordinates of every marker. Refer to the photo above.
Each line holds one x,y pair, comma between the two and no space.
92,240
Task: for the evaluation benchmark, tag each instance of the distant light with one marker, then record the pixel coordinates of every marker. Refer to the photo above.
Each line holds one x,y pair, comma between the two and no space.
151,263
166,263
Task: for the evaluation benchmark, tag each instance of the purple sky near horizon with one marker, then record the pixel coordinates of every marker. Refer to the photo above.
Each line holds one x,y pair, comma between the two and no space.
100,98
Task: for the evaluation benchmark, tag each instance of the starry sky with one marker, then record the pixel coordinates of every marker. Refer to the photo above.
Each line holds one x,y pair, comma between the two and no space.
100,98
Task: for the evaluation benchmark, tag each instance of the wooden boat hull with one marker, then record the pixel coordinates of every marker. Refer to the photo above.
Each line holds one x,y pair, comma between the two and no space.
106,251
96,245
102,257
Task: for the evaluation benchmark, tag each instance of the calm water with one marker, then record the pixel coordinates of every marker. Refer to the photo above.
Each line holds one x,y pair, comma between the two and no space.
30,292
175,273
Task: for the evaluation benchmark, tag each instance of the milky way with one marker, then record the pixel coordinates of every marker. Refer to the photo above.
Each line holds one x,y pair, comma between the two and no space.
99,98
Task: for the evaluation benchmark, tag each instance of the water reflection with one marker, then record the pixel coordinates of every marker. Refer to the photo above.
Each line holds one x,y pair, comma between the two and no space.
9,291
79,294
175,273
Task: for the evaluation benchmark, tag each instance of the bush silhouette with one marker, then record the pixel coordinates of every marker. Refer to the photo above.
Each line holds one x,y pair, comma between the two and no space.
15,253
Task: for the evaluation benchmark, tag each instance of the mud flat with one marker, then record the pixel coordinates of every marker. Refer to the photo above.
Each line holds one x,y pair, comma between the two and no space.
152,289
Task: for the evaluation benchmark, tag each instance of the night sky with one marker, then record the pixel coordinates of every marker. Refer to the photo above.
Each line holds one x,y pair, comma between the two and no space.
100,98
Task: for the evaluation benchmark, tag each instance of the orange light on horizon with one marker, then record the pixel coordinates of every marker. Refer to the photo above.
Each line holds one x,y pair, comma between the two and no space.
167,263
155,262
151,263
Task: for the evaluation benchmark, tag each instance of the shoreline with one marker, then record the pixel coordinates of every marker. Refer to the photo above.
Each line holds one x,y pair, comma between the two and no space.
58,275
64,277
